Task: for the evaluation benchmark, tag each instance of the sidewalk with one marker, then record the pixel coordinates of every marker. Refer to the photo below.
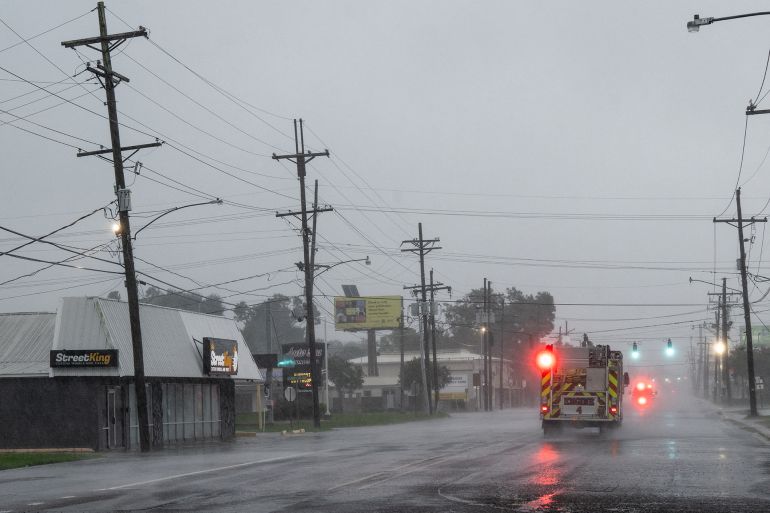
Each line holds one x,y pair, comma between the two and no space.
740,415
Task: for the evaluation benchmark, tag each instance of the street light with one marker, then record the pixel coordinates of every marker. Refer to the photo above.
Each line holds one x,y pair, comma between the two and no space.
326,267
216,201
697,21
719,347
715,285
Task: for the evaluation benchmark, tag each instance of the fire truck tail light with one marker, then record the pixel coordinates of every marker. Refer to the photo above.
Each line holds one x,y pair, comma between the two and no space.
545,359
642,401
613,409
544,408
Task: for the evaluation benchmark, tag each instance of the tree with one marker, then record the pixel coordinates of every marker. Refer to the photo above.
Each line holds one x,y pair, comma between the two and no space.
413,373
269,324
347,350
391,343
114,295
211,304
345,376
525,319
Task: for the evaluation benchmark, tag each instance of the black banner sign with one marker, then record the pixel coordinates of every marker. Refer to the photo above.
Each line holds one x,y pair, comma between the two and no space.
220,356
84,358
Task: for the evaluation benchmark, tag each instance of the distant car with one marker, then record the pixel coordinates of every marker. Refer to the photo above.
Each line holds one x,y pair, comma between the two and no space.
643,393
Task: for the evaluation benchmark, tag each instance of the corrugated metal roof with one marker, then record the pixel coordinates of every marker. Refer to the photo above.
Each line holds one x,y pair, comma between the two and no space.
25,342
441,356
167,338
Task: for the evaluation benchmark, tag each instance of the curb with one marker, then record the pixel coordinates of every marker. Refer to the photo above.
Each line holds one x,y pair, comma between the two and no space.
749,426
49,450
292,432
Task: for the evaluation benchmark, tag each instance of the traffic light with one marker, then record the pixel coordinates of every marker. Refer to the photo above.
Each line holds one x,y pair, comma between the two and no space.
669,348
545,359
286,361
635,351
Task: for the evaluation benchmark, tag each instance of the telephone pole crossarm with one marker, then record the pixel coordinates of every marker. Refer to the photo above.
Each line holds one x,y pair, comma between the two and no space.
122,149
298,214
142,32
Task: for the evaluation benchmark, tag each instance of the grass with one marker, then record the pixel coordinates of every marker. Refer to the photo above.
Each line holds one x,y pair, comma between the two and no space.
248,421
27,459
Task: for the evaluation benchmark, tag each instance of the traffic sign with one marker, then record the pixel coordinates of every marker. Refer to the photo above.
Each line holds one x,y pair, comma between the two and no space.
290,393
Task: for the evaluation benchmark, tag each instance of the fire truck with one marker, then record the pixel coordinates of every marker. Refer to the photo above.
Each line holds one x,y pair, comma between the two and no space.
581,387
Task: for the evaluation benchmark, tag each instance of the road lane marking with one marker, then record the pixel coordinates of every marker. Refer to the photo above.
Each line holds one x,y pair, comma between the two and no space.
401,474
370,476
35,503
207,471
69,496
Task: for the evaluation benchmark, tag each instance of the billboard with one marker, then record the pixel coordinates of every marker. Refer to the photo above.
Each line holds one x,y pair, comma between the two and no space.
456,389
220,356
367,313
84,358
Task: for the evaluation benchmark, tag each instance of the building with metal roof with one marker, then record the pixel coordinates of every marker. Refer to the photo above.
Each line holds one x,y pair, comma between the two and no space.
67,378
383,391
25,343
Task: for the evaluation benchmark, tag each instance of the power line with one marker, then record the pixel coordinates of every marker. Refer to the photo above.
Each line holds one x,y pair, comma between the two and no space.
23,40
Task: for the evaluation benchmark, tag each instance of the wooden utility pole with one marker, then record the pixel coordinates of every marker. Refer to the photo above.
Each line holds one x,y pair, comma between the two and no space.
422,247
725,327
109,79
433,288
746,306
301,158
485,346
401,346
502,318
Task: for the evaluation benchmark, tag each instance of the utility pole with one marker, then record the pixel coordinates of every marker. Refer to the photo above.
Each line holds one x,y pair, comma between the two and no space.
401,344
746,306
502,316
422,247
109,79
725,327
484,328
490,343
717,357
705,363
301,158
433,288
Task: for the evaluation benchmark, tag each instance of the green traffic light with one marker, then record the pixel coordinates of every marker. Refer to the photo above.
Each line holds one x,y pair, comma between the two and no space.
286,362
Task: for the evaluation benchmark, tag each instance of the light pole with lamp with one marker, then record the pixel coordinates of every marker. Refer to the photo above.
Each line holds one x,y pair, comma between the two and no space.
694,26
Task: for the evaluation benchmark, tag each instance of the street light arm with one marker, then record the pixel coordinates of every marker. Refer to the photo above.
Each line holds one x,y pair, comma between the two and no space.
212,202
327,267
714,284
697,21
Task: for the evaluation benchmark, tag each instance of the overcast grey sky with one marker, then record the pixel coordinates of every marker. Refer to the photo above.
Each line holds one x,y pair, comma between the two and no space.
576,147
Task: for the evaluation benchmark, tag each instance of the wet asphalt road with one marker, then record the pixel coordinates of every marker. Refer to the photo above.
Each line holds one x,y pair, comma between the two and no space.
672,458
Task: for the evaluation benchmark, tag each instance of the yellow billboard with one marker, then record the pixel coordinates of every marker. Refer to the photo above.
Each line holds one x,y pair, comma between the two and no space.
367,313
